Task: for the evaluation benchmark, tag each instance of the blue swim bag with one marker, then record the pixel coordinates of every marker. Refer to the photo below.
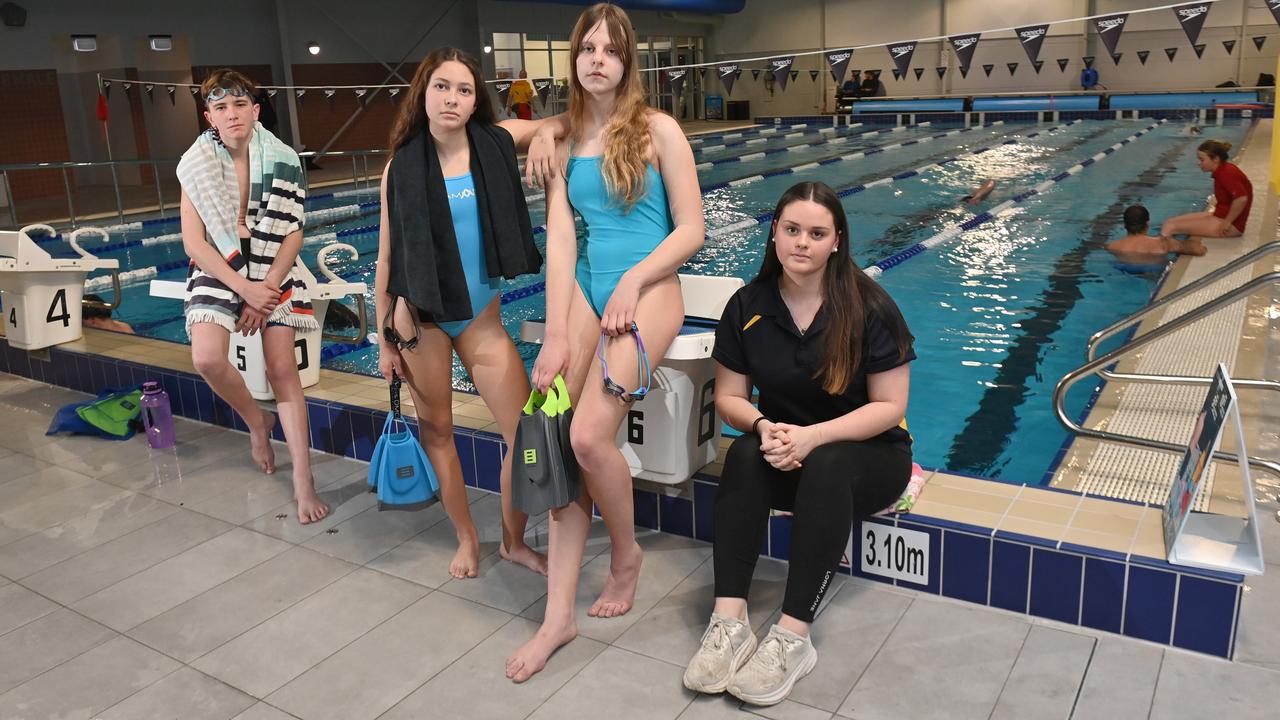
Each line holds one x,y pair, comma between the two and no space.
399,471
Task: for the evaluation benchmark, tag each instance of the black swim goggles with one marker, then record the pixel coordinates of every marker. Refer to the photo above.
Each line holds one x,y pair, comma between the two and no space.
646,376
219,93
389,334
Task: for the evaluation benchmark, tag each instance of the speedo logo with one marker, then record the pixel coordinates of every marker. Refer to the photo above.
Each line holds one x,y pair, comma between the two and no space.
1029,35
502,86
726,70
1190,13
963,43
782,63
1112,24
839,57
676,74
899,50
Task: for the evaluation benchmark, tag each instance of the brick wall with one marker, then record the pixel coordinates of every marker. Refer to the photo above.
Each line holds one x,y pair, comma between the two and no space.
32,130
317,122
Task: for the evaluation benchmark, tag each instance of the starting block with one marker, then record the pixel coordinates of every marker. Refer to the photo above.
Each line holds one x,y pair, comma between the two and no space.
42,294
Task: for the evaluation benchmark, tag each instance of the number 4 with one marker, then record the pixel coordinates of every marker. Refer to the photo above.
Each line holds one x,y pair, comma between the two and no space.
13,317
59,301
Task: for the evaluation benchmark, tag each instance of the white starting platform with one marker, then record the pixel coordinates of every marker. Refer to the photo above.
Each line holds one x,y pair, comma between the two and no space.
245,352
42,294
674,431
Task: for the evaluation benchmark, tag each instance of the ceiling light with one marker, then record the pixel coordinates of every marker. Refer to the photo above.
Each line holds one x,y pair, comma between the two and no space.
160,43
84,43
313,48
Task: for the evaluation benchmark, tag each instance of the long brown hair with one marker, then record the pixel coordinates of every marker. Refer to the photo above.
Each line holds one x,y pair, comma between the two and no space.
412,117
626,137
847,293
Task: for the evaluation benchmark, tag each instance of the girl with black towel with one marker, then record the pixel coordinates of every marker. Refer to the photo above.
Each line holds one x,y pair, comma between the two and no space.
454,223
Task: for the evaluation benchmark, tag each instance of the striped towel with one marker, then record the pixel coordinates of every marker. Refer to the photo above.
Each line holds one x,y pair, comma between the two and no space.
207,174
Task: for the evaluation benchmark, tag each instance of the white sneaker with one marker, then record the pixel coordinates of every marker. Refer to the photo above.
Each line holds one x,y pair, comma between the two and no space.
726,644
782,658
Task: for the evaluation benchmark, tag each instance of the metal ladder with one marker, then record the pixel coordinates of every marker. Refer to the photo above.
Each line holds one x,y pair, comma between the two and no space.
1100,365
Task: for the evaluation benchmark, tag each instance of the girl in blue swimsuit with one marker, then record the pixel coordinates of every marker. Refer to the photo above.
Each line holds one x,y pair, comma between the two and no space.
631,176
454,223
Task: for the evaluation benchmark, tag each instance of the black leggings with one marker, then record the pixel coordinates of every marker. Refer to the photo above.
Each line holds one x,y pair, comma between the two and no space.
838,483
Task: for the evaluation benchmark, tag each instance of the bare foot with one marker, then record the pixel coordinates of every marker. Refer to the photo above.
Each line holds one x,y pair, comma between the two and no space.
310,507
524,555
620,589
260,443
467,560
533,655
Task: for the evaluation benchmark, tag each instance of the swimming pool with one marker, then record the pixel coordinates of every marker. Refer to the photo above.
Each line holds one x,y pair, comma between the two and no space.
999,314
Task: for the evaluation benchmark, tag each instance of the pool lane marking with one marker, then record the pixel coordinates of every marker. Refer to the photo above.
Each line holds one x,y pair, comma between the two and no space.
792,148
743,132
854,189
767,138
878,268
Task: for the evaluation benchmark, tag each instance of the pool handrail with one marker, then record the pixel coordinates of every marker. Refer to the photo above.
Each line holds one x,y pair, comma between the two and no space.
1114,328
74,241
1093,366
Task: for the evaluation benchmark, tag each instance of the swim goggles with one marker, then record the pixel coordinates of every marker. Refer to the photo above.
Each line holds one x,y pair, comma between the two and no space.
218,93
389,334
646,376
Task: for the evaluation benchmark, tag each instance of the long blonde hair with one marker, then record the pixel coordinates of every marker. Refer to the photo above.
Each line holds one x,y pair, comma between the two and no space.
626,137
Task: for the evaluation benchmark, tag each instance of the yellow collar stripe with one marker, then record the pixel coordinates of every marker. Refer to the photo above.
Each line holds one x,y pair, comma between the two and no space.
754,319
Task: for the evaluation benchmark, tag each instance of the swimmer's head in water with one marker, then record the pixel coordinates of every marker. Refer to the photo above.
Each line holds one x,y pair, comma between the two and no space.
1195,130
1136,219
1212,153
446,77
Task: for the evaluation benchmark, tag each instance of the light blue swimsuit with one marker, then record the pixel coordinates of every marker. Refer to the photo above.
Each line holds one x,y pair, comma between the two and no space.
616,239
466,226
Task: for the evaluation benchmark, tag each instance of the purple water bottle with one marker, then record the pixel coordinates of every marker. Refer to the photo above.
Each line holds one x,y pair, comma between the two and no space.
157,417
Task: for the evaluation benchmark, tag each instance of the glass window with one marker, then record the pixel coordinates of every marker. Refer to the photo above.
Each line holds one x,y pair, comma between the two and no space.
508,61
535,42
506,41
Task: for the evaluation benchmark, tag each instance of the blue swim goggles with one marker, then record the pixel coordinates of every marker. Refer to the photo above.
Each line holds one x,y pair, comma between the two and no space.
646,376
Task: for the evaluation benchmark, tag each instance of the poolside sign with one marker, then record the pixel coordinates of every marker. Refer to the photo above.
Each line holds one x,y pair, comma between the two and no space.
1204,539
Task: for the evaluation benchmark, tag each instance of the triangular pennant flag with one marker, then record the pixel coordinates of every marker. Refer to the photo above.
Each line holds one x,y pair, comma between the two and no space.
171,90
901,54
1274,7
1142,56
106,89
896,74
1259,41
964,45
360,93
781,68
1199,50
393,92
795,74
702,74
1037,65
755,73
838,61
148,89
543,88
1109,29
1062,64
676,77
876,73
1191,17
272,92
502,86
329,95
988,68
195,89
126,86
728,74
942,70
1013,68
1170,52
1032,37
1088,61
813,75
299,94
919,72
1115,59
1229,45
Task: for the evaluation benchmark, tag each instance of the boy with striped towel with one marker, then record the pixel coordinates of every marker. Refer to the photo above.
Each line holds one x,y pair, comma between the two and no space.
242,197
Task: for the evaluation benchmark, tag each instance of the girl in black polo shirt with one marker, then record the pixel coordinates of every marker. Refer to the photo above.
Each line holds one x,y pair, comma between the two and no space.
828,350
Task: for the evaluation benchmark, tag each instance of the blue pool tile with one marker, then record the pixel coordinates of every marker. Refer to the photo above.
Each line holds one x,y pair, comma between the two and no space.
364,434
675,515
1148,610
966,565
340,429
84,374
465,445
189,404
1010,575
1055,585
1205,615
780,536
18,363
100,381
646,508
488,463
318,417
222,412
172,386
704,506
4,355
204,403
934,584
859,543
1103,595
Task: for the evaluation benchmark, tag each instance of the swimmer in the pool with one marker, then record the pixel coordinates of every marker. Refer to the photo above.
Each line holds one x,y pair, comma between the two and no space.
979,193
1137,248
631,177
454,224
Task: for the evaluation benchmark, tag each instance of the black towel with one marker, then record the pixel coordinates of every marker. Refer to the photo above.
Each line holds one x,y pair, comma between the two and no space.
425,267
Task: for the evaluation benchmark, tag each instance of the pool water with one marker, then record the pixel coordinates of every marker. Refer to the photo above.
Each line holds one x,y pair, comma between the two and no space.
999,313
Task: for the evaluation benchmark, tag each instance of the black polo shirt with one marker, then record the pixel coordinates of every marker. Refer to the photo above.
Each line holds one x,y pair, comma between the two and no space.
757,337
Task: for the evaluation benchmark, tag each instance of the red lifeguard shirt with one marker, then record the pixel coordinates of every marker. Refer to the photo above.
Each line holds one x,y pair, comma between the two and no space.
1229,183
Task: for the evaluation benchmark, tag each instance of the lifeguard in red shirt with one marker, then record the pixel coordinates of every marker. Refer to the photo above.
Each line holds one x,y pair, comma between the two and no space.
1232,192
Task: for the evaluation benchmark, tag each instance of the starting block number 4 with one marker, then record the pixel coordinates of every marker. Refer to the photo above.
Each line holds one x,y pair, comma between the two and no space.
57,314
